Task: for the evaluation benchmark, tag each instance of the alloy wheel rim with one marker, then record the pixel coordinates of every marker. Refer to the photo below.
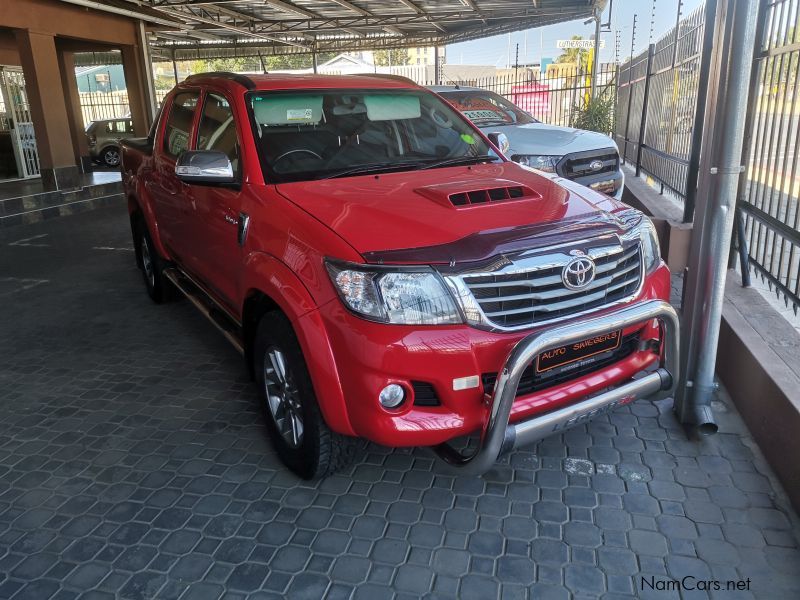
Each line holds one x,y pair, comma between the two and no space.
112,157
283,398
147,263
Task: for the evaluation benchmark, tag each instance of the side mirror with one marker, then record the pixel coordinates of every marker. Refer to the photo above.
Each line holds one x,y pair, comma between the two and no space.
500,140
204,166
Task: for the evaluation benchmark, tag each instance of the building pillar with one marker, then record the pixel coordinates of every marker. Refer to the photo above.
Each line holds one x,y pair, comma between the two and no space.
40,65
132,66
77,127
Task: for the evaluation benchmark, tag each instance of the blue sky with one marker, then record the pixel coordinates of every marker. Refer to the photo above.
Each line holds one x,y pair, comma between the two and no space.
542,41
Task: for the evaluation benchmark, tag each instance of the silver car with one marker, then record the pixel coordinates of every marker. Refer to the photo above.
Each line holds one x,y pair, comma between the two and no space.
104,137
587,157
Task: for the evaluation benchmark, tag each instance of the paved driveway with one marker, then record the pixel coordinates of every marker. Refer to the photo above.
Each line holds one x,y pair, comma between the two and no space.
133,463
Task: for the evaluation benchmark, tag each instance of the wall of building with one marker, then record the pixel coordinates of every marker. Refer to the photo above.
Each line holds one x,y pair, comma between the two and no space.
42,37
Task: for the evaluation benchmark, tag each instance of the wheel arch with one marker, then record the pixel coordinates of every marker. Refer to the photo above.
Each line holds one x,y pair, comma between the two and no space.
272,286
141,212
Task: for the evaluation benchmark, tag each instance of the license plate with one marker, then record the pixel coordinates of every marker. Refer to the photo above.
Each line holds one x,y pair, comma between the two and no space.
565,355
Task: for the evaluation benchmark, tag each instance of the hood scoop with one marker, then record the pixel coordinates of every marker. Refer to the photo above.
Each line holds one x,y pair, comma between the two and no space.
461,194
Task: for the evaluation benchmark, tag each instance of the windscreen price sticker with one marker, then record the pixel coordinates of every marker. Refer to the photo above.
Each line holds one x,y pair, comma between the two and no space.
477,115
299,114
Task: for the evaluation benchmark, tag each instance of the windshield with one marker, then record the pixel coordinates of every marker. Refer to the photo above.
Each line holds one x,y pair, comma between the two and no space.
307,135
487,108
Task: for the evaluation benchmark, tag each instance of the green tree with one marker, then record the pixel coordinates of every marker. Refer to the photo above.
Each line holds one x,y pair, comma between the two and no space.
595,114
395,56
577,56
272,62
164,82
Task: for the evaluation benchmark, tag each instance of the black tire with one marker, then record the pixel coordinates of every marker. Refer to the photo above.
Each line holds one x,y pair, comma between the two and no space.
318,451
152,266
110,156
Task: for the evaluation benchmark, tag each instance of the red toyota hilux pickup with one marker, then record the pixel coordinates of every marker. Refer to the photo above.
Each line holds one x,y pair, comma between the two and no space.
388,274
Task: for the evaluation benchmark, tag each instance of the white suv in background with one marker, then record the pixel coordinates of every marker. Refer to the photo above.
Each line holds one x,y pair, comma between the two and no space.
589,158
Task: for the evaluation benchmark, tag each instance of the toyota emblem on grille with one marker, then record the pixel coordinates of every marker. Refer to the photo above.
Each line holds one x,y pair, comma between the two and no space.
578,273
596,165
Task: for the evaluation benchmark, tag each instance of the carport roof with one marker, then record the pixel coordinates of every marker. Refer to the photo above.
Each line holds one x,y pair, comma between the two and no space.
220,28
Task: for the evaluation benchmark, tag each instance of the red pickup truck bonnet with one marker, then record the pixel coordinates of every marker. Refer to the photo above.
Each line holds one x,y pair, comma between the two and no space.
453,215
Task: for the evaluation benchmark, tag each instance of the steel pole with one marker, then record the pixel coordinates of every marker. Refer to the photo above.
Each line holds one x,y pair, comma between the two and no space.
596,60
174,66
437,76
720,167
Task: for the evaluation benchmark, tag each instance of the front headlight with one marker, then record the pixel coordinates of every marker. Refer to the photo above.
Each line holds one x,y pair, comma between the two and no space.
542,162
639,226
651,252
417,297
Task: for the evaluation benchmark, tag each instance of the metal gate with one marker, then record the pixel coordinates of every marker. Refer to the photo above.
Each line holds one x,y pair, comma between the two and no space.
23,139
769,193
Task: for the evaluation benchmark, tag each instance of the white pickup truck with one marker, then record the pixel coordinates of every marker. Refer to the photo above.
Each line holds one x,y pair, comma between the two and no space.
591,159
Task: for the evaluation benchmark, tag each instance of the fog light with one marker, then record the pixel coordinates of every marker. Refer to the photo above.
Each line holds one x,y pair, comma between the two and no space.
392,396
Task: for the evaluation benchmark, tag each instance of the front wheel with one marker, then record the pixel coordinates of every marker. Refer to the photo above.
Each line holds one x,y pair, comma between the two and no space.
298,431
111,157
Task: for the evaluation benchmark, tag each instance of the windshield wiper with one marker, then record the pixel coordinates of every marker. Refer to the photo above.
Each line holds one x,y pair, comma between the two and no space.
460,160
373,168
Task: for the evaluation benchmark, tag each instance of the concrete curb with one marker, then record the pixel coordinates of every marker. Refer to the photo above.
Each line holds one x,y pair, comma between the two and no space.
667,215
758,362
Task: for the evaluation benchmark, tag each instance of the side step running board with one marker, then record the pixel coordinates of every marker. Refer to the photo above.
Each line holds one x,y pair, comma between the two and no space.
207,307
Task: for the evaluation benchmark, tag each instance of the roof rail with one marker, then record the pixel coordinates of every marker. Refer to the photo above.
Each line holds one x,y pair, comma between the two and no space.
237,77
390,76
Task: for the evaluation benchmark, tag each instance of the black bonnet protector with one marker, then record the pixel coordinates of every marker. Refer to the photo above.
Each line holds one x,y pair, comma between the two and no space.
487,248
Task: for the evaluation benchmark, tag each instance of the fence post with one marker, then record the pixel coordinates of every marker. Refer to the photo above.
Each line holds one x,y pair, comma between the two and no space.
709,19
630,91
645,101
616,96
628,116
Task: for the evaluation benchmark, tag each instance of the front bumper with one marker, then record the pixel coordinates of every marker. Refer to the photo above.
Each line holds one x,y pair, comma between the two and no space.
368,356
611,184
498,435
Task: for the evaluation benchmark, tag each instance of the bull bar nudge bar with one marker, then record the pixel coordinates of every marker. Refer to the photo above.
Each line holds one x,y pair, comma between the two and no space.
498,436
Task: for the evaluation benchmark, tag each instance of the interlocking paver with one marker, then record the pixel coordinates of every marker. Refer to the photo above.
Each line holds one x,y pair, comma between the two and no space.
134,464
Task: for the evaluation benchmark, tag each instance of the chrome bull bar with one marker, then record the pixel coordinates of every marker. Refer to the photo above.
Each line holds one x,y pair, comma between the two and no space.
498,436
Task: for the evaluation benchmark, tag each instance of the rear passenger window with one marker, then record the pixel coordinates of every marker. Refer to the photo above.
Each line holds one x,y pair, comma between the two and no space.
179,124
217,129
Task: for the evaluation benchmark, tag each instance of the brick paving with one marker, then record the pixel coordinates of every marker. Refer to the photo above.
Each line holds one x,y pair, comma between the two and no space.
134,464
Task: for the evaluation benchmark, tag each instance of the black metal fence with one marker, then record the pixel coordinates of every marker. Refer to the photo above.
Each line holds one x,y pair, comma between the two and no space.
553,97
770,191
100,106
657,108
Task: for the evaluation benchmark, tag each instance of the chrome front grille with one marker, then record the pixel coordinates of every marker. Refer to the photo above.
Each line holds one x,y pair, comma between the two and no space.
528,297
